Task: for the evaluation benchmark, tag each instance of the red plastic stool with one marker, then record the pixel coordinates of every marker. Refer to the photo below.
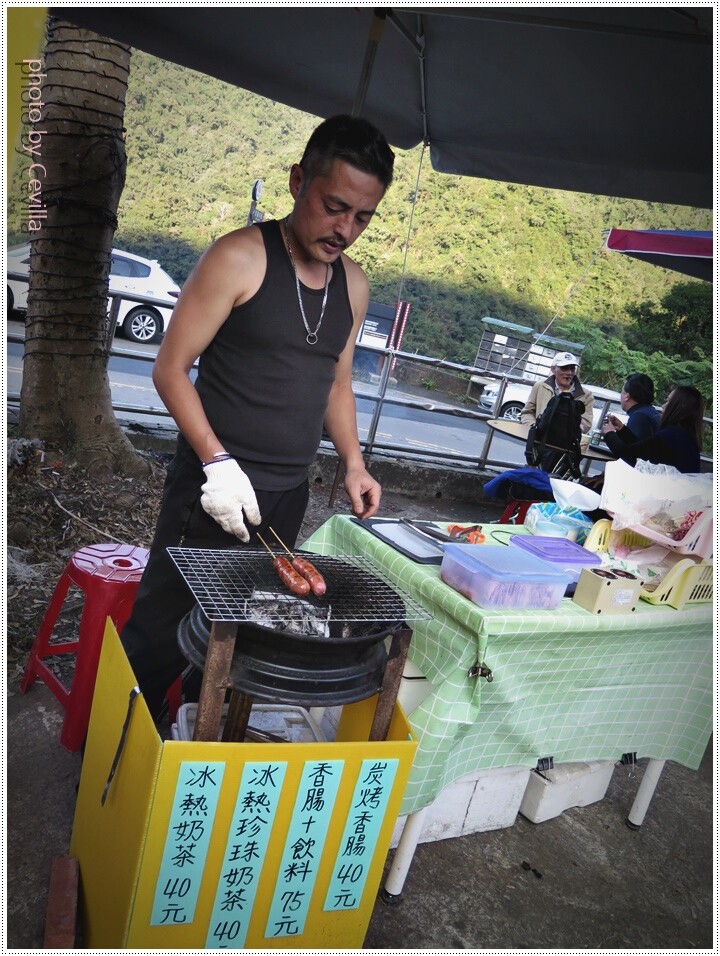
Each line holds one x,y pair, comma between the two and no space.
109,575
515,512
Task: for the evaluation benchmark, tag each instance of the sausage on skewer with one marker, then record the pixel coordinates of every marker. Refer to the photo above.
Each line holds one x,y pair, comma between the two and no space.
311,574
306,568
290,577
292,580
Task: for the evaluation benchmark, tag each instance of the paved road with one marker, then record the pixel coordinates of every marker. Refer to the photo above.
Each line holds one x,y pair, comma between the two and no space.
440,434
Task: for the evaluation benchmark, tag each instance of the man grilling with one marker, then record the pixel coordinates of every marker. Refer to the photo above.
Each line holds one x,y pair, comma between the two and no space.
272,311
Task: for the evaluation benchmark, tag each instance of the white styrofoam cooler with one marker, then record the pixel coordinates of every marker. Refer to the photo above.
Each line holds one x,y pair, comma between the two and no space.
414,687
550,792
483,800
292,724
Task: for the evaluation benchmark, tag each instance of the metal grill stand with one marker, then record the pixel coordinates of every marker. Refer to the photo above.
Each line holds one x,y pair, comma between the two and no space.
223,581
216,682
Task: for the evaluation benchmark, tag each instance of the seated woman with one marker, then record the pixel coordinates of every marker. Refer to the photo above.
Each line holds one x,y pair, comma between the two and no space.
677,442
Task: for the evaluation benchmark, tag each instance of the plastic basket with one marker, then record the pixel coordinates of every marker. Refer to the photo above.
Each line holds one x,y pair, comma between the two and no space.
601,537
686,583
697,541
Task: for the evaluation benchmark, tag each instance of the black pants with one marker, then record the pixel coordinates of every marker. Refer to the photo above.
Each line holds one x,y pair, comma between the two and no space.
163,598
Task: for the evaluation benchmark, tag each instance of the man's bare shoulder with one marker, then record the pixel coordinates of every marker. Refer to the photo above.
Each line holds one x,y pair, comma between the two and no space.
240,244
357,281
237,260
353,270
358,288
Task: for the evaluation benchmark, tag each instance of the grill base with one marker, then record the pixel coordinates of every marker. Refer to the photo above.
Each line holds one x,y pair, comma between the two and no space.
280,668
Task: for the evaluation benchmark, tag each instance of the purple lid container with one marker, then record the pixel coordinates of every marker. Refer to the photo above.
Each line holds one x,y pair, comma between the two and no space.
560,552
556,550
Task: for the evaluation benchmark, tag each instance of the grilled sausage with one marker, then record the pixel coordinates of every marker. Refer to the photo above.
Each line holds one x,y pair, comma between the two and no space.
311,575
290,578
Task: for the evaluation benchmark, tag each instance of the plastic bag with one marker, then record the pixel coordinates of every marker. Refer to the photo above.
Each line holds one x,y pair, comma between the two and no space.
657,497
570,522
570,494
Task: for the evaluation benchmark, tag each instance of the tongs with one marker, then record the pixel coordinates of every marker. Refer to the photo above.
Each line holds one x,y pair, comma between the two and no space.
427,531
468,533
458,533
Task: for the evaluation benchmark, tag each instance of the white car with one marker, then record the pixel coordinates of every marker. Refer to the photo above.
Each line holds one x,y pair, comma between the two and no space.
128,273
513,401
516,395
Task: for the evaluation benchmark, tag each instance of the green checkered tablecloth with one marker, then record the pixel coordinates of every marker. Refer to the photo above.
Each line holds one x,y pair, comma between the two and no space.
566,684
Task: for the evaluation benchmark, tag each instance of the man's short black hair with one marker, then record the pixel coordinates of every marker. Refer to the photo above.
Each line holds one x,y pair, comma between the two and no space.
352,139
640,388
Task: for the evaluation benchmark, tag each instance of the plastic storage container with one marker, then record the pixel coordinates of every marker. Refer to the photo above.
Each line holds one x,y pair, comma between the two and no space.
496,576
563,554
290,724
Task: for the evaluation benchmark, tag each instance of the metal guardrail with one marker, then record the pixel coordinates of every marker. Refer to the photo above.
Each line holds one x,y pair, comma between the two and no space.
381,398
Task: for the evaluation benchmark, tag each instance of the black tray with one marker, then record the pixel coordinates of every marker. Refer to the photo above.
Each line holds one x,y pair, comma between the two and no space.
404,539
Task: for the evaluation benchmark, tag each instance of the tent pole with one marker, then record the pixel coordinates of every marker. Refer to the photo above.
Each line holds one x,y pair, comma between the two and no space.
410,223
376,30
417,42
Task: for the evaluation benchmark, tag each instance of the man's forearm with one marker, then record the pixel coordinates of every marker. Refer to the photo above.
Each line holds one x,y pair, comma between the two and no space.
183,402
341,426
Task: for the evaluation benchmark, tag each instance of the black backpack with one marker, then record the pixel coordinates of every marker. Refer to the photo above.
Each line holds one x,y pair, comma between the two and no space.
558,426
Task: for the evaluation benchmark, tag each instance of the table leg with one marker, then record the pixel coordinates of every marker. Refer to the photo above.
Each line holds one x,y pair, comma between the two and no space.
645,793
336,482
391,893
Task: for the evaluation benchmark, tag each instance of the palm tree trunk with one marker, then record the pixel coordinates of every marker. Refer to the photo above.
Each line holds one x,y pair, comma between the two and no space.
78,152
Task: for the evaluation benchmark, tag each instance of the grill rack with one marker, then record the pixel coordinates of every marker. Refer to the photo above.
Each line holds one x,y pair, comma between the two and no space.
221,582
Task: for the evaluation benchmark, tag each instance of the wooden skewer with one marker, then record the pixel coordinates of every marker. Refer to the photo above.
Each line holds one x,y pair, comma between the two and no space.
270,552
280,541
289,575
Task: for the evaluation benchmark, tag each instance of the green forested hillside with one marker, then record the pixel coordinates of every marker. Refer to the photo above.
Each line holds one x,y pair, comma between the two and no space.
195,146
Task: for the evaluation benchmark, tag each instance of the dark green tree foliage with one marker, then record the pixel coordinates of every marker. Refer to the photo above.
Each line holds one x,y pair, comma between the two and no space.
607,361
681,324
477,248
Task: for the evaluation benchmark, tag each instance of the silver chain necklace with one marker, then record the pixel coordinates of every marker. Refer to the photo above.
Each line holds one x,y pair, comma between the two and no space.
312,336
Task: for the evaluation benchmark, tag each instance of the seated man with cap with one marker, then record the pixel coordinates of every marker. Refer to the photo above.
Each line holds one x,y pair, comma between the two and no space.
562,379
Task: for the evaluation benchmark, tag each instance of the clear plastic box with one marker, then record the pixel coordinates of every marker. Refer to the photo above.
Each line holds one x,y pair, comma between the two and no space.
497,576
280,721
562,554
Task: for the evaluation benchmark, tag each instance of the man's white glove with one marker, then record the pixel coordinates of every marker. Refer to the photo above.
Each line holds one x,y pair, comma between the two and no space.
227,493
